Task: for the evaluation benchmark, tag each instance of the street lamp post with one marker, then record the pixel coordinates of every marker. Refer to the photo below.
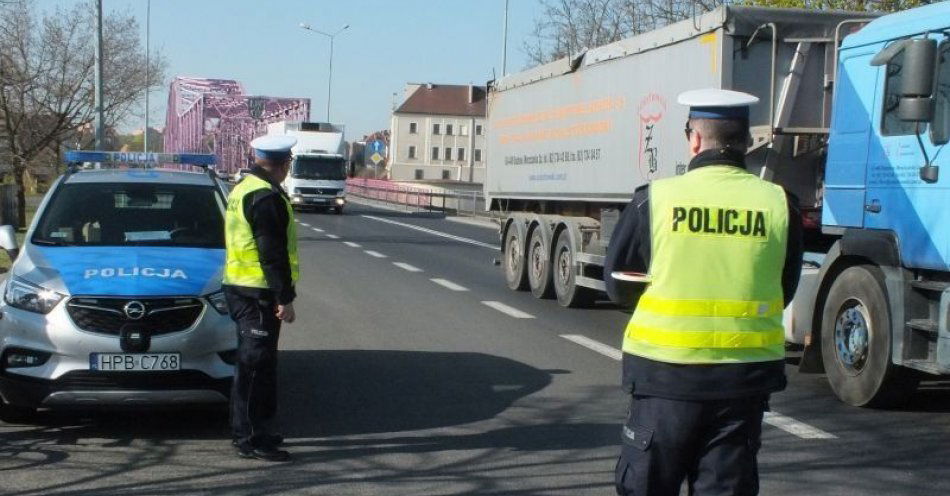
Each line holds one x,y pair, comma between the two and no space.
330,75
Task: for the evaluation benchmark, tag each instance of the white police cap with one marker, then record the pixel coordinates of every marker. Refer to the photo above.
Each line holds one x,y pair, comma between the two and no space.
712,103
274,147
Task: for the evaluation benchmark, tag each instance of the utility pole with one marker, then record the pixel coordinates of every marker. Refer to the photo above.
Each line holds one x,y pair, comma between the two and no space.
148,19
100,118
504,49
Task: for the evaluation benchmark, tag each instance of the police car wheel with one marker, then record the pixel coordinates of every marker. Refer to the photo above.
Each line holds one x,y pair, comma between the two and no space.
568,293
539,265
516,276
856,342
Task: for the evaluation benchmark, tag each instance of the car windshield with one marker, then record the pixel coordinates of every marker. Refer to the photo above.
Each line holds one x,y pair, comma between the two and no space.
330,169
106,214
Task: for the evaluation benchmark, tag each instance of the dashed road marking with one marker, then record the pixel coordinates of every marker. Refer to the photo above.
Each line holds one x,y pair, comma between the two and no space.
783,422
505,309
795,427
352,244
317,229
434,232
304,224
447,284
407,267
374,254
333,236
603,349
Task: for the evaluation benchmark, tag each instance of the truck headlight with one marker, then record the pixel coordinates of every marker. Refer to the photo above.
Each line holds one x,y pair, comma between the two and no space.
218,302
30,297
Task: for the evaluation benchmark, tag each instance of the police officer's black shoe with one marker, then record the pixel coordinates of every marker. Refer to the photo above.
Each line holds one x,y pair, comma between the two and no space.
267,440
267,454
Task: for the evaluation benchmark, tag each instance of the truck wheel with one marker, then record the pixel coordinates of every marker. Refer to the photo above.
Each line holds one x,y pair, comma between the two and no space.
516,274
856,342
539,266
569,294
338,210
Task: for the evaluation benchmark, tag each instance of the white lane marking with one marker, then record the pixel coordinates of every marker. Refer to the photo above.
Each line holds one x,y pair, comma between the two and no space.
505,309
374,254
434,232
795,427
787,424
445,283
317,229
407,267
333,236
304,224
603,349
352,244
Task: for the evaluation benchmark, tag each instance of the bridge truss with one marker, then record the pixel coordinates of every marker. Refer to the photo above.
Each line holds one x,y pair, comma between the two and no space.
216,116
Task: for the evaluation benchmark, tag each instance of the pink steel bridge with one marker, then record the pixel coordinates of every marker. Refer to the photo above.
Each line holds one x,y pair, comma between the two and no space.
216,116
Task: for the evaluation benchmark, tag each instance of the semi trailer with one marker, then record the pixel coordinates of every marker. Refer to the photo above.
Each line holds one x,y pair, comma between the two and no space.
854,112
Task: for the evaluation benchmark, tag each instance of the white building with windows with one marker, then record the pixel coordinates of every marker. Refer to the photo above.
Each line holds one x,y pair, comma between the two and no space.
438,133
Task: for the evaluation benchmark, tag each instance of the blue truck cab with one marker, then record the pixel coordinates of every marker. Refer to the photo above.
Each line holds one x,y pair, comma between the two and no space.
876,309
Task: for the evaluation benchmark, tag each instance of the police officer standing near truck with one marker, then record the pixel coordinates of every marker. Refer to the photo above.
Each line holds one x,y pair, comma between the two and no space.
704,349
260,273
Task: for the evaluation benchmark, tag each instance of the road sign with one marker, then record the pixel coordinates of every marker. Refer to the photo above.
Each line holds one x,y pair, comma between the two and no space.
379,149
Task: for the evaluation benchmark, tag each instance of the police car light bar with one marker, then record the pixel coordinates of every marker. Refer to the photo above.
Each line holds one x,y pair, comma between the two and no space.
138,158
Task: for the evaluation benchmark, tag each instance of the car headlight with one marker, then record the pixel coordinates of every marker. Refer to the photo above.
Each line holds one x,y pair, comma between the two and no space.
30,297
218,302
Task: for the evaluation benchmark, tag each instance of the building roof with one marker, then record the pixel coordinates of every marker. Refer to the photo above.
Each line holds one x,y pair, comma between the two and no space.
445,99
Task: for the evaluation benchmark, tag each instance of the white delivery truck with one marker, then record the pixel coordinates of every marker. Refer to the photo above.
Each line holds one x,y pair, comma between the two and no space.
317,176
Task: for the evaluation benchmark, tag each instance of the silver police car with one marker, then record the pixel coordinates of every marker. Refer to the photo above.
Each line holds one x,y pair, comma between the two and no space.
115,297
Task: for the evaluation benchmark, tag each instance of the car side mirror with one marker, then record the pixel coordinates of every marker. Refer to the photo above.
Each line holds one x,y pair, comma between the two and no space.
8,241
917,81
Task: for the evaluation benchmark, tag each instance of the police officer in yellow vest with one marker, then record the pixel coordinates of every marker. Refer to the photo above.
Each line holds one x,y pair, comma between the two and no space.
705,346
260,273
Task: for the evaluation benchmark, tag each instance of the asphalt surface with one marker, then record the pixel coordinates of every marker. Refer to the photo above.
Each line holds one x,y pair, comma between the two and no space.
412,370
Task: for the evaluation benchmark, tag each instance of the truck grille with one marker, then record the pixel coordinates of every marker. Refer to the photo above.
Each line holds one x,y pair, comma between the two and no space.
109,315
318,191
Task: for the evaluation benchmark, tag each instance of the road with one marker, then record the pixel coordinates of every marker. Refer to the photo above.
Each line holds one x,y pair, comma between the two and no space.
413,371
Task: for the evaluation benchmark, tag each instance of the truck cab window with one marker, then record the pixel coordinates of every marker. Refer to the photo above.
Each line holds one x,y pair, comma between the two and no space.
891,124
940,127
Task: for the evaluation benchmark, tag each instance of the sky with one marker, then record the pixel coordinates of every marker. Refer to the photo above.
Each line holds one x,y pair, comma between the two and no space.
389,43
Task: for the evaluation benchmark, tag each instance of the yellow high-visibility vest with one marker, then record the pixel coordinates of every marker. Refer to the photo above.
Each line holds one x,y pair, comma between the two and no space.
243,265
718,244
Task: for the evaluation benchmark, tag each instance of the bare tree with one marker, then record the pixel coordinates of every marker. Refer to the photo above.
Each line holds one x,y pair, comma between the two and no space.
47,79
565,27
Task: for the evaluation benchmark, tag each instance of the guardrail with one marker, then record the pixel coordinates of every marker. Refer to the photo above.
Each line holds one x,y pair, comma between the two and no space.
466,203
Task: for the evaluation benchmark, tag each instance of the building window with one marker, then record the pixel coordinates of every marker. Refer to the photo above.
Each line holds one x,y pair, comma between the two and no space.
478,129
436,129
435,153
419,174
448,130
891,123
463,130
412,128
446,174
478,155
448,153
412,152
461,155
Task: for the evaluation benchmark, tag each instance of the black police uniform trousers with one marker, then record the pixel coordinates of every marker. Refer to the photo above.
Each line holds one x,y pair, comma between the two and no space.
711,444
254,390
